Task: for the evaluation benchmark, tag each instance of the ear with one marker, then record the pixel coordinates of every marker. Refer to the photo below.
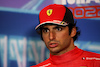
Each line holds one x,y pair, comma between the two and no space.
73,32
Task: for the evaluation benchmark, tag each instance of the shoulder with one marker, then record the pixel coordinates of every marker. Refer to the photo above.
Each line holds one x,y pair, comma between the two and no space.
87,53
46,62
91,56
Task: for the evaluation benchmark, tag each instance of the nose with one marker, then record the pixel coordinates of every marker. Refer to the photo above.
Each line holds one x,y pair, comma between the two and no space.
52,35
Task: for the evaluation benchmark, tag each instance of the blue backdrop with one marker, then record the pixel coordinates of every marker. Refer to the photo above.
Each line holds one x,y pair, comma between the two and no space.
21,46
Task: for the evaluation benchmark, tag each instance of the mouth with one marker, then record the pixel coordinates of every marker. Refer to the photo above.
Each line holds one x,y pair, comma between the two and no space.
52,45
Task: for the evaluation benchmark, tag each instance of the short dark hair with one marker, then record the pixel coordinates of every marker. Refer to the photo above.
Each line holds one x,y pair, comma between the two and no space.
77,31
70,29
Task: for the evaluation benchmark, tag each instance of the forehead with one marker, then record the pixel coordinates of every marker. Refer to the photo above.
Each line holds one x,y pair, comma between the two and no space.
52,25
49,26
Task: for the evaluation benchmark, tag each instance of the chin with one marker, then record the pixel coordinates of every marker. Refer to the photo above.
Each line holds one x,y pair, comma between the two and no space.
54,50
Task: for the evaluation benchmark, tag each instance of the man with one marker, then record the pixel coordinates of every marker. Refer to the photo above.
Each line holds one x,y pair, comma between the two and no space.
58,31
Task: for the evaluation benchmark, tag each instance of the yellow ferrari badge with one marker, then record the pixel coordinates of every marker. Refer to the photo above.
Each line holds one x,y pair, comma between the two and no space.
62,22
49,12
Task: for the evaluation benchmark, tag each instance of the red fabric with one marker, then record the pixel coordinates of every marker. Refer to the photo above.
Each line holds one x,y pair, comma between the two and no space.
53,13
58,12
73,58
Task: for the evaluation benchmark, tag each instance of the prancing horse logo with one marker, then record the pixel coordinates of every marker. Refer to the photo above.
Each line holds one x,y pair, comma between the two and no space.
49,12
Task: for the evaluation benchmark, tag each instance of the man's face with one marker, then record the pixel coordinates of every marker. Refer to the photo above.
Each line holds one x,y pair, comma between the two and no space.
57,39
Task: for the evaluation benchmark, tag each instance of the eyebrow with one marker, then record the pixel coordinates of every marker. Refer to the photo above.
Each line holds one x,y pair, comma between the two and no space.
57,26
44,28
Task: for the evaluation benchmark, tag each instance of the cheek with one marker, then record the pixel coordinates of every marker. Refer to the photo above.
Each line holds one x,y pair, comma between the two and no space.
63,37
45,37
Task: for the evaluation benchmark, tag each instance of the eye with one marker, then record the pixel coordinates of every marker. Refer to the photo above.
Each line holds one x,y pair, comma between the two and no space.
45,30
58,28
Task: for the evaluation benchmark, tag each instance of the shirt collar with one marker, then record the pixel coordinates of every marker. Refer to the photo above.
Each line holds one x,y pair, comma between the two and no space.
66,57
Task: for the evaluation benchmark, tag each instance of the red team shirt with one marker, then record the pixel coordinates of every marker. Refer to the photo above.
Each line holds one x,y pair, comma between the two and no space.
73,58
